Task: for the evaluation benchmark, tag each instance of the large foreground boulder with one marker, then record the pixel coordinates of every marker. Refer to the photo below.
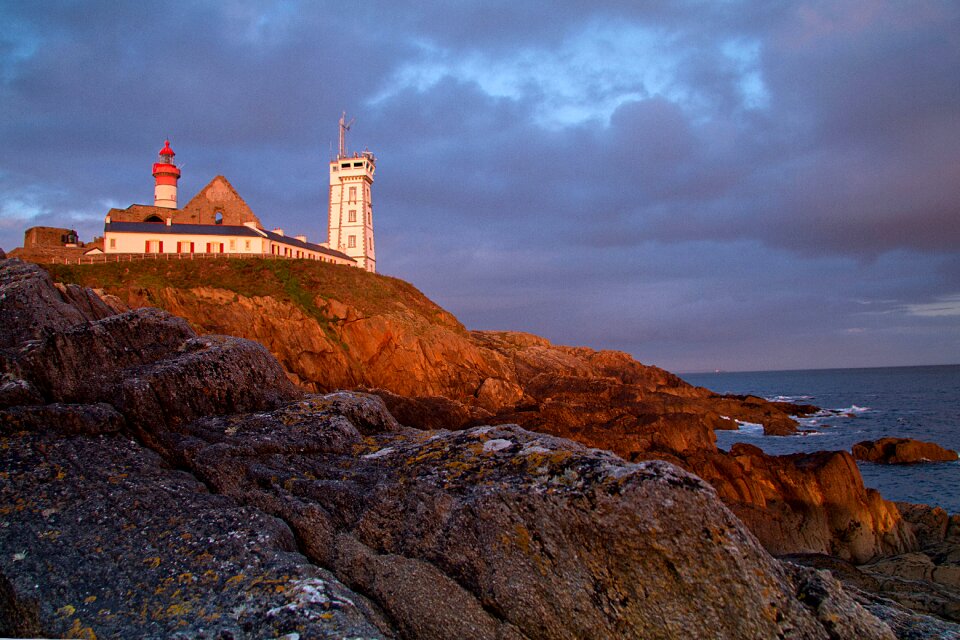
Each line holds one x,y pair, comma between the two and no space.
498,532
101,539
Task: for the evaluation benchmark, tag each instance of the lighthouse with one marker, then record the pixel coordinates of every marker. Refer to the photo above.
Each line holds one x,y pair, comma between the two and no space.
166,175
350,217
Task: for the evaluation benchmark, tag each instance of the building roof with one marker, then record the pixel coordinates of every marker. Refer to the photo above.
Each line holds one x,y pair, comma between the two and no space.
174,229
276,237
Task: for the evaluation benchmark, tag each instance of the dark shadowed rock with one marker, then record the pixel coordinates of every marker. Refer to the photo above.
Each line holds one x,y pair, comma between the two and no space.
931,525
211,375
834,608
16,391
901,451
67,419
100,539
147,364
31,306
432,412
367,412
82,362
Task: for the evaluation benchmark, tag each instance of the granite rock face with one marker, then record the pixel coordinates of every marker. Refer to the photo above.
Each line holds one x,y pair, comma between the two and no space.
498,532
901,451
432,373
102,539
927,579
805,503
185,489
32,306
900,587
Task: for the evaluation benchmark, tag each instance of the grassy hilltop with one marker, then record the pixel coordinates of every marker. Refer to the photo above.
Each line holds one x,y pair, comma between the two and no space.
302,283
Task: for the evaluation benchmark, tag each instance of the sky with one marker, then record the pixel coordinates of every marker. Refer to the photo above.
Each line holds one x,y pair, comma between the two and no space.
705,185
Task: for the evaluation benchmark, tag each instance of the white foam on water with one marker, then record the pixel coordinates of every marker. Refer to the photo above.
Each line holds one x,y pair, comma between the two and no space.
854,409
749,427
791,399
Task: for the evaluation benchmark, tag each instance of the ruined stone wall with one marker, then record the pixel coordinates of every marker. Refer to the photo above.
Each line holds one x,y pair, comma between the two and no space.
145,213
219,201
216,201
36,237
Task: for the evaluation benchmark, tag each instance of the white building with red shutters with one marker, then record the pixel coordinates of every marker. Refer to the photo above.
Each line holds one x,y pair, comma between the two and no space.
218,221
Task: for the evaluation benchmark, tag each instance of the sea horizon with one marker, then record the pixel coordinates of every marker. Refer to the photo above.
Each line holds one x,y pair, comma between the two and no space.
700,372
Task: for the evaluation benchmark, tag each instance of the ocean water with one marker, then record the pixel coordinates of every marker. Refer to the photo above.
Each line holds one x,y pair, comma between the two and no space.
862,404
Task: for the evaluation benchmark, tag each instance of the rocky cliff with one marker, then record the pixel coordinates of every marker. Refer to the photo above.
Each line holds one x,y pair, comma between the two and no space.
334,327
159,484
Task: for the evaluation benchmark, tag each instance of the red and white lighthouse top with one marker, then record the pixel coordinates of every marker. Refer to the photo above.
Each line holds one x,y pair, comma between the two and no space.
166,168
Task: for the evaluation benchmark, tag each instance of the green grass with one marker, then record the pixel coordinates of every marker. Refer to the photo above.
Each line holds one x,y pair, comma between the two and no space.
300,282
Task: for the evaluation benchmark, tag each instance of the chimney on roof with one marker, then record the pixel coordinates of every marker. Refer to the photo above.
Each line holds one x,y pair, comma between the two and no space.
278,231
169,222
301,238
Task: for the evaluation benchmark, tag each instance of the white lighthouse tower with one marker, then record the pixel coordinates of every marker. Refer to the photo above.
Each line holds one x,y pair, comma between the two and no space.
350,225
166,175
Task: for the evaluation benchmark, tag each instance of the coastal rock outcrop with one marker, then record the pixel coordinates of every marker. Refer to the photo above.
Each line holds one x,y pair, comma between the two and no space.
805,503
260,512
901,451
926,580
32,306
501,532
334,328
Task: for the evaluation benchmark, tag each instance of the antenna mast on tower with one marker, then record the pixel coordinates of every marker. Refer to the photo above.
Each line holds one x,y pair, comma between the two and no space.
344,127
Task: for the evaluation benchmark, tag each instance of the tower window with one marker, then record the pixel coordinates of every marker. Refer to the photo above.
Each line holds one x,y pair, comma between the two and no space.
353,194
352,215
352,242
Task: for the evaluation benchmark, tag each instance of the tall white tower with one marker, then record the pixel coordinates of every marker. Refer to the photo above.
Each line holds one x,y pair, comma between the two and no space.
350,227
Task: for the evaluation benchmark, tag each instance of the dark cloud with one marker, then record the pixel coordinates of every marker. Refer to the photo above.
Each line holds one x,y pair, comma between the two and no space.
704,185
